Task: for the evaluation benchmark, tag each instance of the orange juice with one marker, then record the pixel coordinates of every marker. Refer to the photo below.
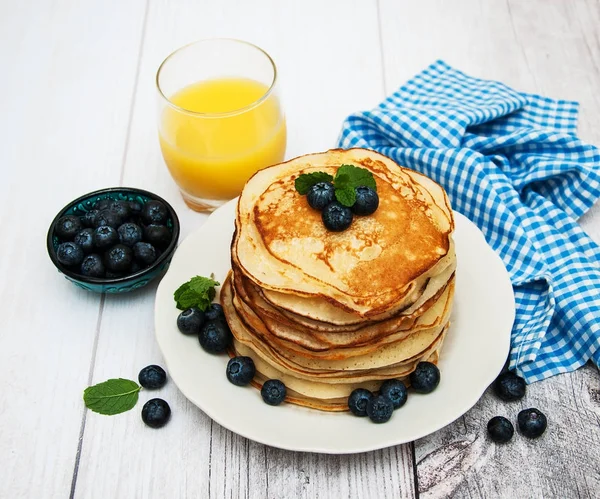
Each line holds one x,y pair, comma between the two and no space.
218,133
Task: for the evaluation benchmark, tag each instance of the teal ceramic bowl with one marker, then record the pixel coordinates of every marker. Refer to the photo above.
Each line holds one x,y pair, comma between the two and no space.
119,284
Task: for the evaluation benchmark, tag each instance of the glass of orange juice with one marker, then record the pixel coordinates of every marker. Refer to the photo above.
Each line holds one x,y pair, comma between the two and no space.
220,118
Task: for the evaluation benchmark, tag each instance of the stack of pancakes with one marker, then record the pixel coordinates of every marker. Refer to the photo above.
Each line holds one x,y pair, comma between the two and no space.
327,312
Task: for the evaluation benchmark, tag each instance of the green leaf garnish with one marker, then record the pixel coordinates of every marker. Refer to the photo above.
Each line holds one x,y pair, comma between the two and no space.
347,197
197,292
113,396
305,181
356,177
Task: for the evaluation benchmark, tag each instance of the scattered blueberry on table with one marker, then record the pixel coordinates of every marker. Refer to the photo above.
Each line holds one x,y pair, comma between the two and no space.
509,386
156,413
532,422
500,429
152,377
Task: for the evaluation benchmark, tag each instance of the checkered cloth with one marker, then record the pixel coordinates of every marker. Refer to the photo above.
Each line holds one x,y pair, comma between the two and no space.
511,163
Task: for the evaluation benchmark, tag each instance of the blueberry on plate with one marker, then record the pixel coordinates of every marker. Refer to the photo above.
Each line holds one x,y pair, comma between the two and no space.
144,253
320,195
118,258
240,370
215,336
120,208
380,409
532,422
89,218
69,254
67,227
152,377
425,378
500,429
85,239
156,413
336,217
395,390
509,386
367,201
105,237
214,311
273,392
92,266
109,218
129,234
155,212
190,321
157,235
358,400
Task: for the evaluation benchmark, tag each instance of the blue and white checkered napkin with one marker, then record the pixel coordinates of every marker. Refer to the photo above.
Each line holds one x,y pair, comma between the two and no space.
511,163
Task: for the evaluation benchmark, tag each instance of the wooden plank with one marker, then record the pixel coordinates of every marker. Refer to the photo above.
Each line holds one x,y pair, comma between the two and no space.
327,72
66,86
550,48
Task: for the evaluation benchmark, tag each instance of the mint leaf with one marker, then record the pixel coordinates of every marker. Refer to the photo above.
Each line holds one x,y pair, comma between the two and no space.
346,196
305,181
357,176
113,396
197,292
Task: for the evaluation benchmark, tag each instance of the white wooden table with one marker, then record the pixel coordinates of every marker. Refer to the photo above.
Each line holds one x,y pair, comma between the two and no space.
77,113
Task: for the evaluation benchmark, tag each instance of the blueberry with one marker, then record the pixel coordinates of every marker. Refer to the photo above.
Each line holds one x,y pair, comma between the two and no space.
532,423
425,378
89,218
105,237
135,267
85,239
358,400
240,370
67,227
135,208
273,392
395,390
336,217
190,321
156,413
214,311
120,208
109,218
144,253
118,258
152,377
92,266
508,386
129,234
320,195
500,429
102,204
367,201
215,336
155,212
69,254
157,235
380,409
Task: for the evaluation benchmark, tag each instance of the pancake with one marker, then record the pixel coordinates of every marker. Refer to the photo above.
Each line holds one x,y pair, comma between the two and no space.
282,245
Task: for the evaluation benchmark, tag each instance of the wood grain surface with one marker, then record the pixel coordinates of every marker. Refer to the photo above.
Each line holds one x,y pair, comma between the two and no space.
78,112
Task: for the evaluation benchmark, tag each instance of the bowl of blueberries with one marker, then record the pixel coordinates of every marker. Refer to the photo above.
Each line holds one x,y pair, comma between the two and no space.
114,240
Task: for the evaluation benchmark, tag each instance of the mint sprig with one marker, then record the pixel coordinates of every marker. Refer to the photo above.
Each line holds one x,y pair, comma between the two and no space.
346,180
111,397
197,292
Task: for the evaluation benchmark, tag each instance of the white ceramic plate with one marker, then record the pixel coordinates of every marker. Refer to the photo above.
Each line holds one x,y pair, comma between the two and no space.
473,354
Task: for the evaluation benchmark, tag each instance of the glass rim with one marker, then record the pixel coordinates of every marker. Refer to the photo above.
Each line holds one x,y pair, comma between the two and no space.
235,112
